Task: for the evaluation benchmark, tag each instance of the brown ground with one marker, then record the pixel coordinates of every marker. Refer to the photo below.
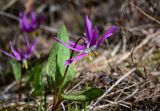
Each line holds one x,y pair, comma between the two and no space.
128,65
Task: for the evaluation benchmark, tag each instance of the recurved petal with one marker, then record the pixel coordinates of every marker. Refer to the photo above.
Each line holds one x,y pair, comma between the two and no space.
31,48
27,42
88,29
107,34
21,21
72,44
7,54
34,43
15,53
34,20
26,22
66,45
94,37
33,16
80,56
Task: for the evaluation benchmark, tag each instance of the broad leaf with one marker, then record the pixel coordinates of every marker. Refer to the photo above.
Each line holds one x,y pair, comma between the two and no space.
83,96
51,65
16,66
55,67
64,54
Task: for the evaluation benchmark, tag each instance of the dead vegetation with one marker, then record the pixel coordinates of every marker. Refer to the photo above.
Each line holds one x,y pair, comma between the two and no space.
128,70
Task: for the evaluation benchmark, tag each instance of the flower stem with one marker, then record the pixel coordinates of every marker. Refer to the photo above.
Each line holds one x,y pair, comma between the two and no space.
56,100
19,83
20,89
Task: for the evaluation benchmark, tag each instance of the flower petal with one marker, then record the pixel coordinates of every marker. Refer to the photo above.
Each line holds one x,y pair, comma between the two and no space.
15,53
31,48
66,45
28,21
21,53
21,21
94,36
107,34
80,56
33,16
7,54
88,30
27,42
34,43
33,19
72,44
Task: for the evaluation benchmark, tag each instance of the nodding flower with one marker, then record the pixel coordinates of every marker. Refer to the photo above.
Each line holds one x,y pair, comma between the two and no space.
21,55
29,22
92,41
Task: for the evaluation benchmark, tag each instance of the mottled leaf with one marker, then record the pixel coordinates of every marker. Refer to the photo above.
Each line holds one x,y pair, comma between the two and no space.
83,96
55,67
64,54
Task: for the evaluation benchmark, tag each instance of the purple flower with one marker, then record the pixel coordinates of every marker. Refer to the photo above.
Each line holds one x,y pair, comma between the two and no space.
21,55
91,43
29,21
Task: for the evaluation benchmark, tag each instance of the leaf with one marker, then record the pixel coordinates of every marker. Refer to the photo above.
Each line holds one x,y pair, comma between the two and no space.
16,66
64,54
40,105
51,65
55,67
84,96
37,81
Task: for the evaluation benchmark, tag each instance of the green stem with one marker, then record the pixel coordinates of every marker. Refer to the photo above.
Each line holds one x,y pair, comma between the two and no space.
56,100
85,106
20,86
19,89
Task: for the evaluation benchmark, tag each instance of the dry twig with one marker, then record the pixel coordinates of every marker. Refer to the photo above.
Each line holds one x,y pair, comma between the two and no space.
117,82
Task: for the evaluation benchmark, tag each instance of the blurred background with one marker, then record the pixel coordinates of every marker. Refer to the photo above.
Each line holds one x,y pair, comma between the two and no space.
135,45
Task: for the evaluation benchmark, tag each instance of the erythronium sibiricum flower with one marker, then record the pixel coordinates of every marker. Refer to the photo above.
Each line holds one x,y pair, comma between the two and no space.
29,21
21,55
92,41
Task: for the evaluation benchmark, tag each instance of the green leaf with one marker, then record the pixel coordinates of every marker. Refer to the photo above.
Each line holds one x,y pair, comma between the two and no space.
51,65
83,96
37,81
35,78
16,66
55,67
64,54
73,108
40,106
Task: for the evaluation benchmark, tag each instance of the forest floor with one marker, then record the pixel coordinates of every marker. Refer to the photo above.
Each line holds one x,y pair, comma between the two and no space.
128,64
